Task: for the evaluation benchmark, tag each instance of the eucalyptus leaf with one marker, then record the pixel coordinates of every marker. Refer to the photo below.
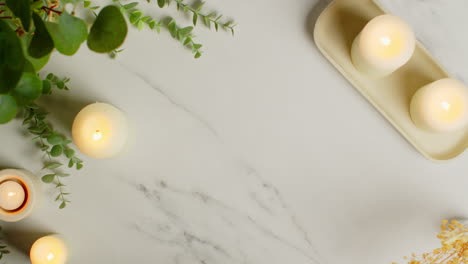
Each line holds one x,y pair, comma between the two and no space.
46,87
41,43
56,151
161,3
11,58
22,10
48,178
108,31
131,5
68,33
37,64
8,108
52,165
29,88
54,139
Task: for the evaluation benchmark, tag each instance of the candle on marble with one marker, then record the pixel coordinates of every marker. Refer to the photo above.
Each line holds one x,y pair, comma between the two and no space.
18,194
12,195
49,250
441,106
100,131
384,45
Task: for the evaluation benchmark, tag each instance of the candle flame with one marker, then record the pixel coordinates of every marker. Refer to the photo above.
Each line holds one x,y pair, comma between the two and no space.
445,106
11,194
386,41
50,256
97,135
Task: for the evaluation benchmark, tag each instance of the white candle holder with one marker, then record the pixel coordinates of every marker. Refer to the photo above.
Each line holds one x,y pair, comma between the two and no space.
30,185
336,29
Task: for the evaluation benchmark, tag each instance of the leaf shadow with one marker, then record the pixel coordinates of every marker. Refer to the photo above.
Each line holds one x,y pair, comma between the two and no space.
312,17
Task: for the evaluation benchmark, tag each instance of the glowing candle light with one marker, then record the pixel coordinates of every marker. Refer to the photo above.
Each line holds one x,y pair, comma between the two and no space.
49,250
100,131
385,44
441,106
12,195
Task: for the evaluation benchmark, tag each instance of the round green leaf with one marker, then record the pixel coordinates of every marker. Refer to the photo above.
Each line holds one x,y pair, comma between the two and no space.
37,64
108,31
68,33
22,10
11,58
8,108
48,178
55,139
41,43
28,67
46,87
29,88
56,151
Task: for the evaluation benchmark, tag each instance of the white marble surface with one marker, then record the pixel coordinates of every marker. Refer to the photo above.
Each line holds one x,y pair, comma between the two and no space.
258,153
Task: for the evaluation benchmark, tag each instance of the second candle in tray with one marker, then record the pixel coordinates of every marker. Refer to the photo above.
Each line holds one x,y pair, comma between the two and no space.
385,44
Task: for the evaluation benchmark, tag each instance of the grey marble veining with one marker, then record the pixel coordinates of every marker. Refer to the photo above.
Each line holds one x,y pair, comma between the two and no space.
259,152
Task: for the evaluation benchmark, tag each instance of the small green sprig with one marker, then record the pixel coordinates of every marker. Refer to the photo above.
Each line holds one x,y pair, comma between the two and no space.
184,35
50,141
211,19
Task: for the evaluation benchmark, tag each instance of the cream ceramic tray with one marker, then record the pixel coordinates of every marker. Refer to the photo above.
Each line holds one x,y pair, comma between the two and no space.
334,33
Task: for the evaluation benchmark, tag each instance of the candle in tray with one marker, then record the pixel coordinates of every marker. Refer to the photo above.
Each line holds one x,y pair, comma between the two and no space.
49,250
441,106
384,45
12,195
18,194
100,131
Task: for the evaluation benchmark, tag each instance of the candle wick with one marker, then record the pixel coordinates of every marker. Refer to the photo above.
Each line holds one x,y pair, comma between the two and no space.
50,256
445,106
97,135
386,41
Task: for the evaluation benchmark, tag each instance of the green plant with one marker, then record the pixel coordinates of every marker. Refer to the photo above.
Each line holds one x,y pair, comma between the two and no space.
50,141
30,30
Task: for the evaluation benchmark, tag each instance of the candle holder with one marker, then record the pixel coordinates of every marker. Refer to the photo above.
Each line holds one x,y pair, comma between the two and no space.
335,30
30,185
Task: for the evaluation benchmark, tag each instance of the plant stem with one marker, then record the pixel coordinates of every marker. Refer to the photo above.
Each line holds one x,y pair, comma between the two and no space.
206,18
48,10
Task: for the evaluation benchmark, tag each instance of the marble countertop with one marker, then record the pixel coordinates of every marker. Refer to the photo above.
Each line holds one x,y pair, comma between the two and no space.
257,153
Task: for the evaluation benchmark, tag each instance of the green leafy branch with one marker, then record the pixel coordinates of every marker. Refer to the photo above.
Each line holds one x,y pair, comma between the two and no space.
50,141
184,35
208,19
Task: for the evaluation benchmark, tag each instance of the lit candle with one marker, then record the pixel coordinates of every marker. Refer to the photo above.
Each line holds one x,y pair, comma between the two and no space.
385,44
49,250
100,131
18,194
440,106
12,195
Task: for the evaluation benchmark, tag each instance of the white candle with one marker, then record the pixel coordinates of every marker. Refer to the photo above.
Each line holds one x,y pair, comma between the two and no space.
440,106
12,195
385,44
49,250
100,131
19,197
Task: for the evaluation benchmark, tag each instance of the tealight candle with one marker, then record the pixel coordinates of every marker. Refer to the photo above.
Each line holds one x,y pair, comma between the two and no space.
440,106
18,194
12,195
49,250
385,44
100,131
